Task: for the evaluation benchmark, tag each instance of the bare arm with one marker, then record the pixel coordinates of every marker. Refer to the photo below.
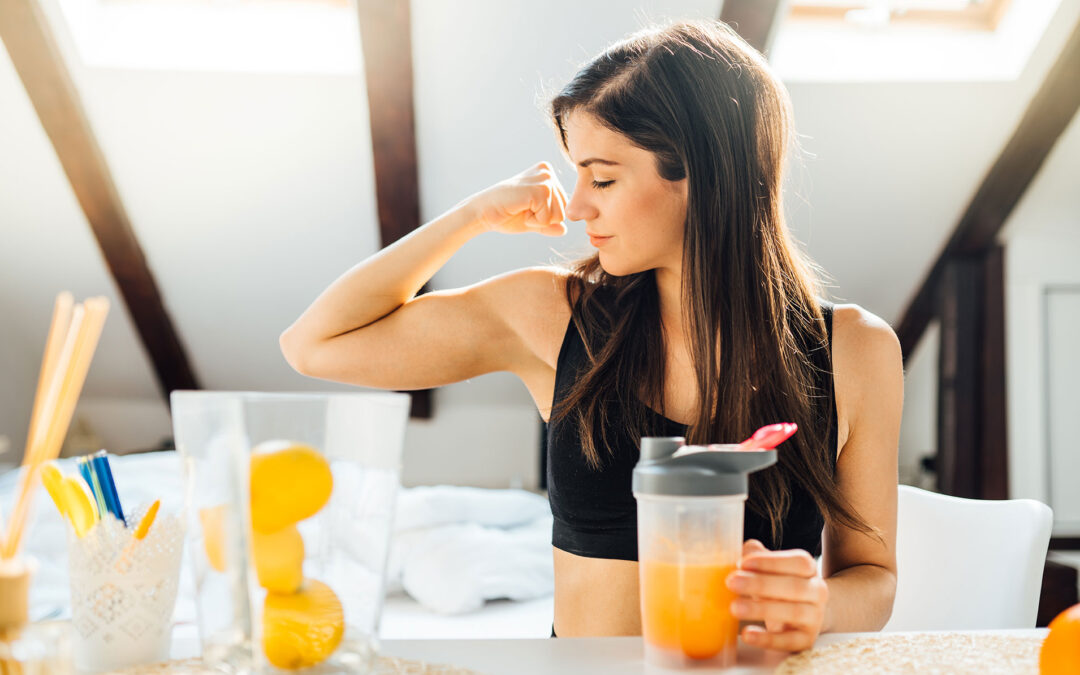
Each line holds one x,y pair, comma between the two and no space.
783,588
367,328
860,569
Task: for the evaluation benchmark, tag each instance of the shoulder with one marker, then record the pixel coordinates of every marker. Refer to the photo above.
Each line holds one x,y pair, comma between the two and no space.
867,363
863,335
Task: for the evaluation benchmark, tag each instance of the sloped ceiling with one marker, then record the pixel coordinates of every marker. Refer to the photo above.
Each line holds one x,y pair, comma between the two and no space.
251,192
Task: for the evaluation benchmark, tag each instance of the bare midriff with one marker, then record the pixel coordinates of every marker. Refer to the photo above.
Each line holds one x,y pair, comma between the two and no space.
595,597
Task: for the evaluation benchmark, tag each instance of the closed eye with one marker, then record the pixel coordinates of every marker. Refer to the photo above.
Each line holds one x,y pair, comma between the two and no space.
600,185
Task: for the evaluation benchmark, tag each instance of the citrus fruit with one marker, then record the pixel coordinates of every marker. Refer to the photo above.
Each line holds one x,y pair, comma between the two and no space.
279,559
53,480
287,485
80,505
71,496
302,629
1060,654
213,528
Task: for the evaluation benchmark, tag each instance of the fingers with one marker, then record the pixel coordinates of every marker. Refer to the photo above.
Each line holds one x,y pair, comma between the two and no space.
547,201
752,546
798,614
556,230
792,640
796,562
532,201
779,587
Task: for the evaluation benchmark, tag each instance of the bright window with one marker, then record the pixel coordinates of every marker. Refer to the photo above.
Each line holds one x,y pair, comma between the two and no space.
908,40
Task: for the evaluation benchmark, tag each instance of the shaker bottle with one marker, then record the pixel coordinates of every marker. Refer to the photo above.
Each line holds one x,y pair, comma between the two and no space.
690,503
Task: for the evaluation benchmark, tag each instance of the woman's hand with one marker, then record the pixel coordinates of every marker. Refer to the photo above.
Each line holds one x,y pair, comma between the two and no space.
532,201
784,590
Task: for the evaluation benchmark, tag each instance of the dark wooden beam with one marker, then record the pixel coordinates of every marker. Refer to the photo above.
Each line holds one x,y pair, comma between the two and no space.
972,451
25,32
1046,117
755,20
959,429
994,455
386,38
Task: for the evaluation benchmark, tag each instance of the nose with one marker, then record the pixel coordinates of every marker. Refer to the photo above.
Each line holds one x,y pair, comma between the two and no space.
579,208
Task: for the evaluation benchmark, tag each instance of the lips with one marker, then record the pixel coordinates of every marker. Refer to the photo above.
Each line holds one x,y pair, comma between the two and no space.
597,239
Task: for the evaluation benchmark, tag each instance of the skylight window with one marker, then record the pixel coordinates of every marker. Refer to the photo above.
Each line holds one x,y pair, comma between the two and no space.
909,40
963,14
268,36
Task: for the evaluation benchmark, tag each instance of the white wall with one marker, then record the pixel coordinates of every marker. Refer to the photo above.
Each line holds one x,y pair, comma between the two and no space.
1042,252
250,192
15,403
1042,240
918,428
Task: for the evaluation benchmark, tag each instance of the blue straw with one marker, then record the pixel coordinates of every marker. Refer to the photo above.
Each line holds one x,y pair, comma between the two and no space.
104,475
86,469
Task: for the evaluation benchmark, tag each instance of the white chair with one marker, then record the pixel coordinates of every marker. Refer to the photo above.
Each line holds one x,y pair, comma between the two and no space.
967,564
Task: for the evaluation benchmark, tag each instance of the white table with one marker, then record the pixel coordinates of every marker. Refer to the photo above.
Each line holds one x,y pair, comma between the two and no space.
592,656
567,656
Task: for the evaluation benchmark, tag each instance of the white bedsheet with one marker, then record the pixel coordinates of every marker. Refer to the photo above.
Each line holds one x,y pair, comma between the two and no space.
454,548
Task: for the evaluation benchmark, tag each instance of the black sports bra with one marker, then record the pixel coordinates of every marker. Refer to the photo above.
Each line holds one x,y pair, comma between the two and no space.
595,513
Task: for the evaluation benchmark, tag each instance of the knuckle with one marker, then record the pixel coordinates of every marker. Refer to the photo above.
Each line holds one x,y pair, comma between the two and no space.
823,591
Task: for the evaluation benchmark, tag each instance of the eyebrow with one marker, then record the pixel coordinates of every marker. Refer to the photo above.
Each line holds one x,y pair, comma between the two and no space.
596,160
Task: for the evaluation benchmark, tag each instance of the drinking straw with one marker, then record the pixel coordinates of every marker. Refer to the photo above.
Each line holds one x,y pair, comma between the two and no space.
90,476
138,535
51,424
59,329
63,310
100,462
147,520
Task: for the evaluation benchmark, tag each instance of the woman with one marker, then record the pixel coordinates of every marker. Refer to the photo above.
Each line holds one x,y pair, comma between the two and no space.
678,137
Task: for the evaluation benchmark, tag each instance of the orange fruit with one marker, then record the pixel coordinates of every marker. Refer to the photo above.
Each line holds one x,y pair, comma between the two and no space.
289,482
279,559
1060,654
213,531
302,629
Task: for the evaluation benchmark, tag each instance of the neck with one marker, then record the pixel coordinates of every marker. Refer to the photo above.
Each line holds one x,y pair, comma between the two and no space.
669,287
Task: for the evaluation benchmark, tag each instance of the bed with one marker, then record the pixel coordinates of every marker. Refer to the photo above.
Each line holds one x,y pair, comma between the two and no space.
509,529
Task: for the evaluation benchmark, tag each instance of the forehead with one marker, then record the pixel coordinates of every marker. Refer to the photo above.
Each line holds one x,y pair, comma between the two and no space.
587,138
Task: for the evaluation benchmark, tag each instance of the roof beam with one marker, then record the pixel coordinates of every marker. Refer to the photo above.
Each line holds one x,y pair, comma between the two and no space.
25,31
755,20
386,39
1046,117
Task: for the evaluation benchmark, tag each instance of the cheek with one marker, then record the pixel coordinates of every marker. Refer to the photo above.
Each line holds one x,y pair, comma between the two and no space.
659,216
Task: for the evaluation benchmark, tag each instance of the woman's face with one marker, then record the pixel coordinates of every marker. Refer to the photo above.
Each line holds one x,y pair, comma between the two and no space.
633,216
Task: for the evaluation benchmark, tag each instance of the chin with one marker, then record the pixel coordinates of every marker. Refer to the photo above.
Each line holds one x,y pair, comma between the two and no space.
615,269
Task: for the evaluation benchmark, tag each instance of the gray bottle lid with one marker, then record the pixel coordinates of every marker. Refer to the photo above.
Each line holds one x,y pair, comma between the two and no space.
669,467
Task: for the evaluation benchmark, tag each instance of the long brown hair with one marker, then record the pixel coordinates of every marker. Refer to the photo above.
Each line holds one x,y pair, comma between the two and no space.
708,107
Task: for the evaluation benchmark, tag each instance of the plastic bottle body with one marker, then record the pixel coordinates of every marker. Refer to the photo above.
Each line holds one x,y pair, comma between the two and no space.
687,546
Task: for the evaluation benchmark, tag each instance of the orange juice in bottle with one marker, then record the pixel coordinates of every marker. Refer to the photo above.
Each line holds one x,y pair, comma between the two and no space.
687,610
690,526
